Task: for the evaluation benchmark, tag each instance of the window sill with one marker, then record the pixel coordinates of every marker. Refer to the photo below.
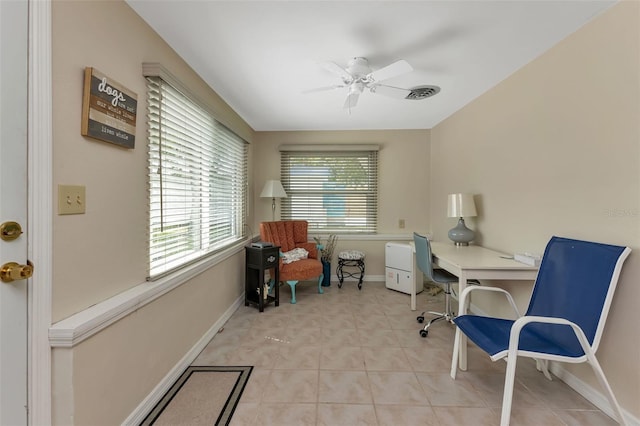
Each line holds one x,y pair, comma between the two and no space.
368,237
78,327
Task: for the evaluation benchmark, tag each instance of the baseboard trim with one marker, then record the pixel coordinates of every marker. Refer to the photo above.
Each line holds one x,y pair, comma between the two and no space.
145,407
590,393
370,278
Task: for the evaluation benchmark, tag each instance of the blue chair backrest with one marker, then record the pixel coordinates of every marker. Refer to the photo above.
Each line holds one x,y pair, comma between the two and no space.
424,259
576,281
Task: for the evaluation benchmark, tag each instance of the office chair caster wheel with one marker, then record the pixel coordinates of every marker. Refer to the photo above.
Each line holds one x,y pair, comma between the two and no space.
424,333
420,319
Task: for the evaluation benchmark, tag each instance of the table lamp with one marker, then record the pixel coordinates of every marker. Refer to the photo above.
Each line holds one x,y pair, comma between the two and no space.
273,189
461,205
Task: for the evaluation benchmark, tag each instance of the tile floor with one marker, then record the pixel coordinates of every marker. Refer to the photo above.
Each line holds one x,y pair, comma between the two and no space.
349,357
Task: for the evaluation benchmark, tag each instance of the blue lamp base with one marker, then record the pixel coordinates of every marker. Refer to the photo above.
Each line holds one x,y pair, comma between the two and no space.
461,235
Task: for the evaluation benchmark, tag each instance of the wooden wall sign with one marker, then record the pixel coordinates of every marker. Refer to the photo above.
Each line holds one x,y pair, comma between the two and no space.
108,110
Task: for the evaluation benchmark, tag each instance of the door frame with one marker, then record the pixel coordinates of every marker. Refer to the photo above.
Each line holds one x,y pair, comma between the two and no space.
40,211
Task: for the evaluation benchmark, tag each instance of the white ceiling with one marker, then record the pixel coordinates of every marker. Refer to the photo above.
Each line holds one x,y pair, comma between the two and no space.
260,56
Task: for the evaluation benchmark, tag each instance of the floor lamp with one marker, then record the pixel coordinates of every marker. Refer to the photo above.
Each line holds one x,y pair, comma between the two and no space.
273,189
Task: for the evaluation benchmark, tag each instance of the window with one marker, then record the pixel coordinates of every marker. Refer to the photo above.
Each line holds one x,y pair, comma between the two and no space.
197,180
335,188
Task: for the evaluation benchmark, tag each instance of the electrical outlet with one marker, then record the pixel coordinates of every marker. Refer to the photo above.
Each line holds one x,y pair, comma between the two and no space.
401,223
71,199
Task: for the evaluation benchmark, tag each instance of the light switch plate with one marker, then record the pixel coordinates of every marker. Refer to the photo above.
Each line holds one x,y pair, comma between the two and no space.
71,199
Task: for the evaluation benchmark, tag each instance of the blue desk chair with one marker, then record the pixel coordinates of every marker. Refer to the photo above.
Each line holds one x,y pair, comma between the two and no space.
565,318
424,261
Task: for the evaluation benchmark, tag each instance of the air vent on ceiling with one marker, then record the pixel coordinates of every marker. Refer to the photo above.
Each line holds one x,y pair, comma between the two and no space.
422,92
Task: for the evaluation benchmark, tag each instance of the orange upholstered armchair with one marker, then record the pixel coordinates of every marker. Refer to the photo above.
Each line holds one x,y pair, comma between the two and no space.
291,234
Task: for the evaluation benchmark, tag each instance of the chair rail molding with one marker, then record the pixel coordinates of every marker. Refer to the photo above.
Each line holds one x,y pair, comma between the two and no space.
73,330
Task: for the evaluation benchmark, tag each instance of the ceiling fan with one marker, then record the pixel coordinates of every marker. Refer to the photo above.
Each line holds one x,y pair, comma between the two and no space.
358,76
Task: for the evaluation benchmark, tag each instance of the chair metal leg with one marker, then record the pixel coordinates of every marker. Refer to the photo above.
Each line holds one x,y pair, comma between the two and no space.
447,315
447,303
543,366
507,397
595,365
454,357
425,329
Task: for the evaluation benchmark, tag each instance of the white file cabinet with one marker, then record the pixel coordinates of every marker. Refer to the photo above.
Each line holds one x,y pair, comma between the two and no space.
401,272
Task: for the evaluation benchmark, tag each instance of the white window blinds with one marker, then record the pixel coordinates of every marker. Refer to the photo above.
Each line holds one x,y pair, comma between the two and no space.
334,188
197,181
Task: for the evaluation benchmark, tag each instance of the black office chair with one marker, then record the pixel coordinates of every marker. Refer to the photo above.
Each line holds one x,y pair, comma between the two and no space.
424,260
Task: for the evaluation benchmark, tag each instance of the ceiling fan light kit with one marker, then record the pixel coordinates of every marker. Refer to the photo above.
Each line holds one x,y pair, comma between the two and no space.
358,68
358,76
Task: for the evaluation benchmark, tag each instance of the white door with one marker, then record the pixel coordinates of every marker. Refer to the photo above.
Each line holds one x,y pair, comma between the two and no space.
13,208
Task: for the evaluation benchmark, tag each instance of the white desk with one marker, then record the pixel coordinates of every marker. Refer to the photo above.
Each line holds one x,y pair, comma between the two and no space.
475,262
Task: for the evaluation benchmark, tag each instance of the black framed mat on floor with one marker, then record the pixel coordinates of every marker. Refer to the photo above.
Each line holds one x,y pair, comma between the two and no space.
203,395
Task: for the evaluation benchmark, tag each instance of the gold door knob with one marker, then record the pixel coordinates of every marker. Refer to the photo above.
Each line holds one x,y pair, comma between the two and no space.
9,231
13,271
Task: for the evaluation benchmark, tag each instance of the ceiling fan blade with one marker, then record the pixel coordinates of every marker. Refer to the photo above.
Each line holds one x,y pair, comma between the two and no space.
323,89
352,100
392,92
338,70
392,70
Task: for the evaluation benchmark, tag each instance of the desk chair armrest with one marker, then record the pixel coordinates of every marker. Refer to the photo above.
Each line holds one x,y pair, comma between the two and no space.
465,294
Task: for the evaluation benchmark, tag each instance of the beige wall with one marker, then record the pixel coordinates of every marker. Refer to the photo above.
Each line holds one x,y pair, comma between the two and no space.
103,252
403,181
555,150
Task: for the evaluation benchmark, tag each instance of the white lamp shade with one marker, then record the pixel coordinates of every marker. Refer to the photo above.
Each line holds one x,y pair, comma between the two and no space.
461,205
273,189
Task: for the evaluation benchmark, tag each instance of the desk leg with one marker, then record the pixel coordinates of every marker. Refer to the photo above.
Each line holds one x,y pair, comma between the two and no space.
462,284
413,299
417,273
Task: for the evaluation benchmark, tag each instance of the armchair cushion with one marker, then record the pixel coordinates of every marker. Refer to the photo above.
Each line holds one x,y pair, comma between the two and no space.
311,248
302,270
294,255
